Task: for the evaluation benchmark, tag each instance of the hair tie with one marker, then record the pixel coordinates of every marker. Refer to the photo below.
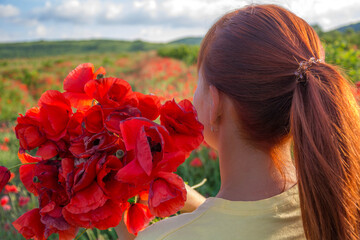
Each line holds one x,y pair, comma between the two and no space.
303,68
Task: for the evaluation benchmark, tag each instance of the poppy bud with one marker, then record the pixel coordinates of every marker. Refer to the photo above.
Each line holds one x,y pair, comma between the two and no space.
36,179
120,153
99,76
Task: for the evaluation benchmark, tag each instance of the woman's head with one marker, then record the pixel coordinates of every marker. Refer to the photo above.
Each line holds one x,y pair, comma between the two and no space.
251,56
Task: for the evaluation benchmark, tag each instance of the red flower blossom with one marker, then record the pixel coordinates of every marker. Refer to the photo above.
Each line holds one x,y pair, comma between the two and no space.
12,175
55,113
181,122
117,115
88,144
213,154
115,190
196,162
113,92
4,177
11,188
27,171
4,200
6,140
30,226
149,105
23,201
167,194
137,217
48,150
6,207
75,82
104,217
29,131
94,119
74,128
153,151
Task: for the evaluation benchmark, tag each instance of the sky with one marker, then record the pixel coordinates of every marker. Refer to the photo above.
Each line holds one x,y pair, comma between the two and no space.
148,20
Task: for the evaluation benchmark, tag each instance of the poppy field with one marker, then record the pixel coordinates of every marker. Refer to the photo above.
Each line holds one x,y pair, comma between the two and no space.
167,74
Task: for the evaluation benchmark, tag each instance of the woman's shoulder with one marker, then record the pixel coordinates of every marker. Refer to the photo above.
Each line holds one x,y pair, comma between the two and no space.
278,217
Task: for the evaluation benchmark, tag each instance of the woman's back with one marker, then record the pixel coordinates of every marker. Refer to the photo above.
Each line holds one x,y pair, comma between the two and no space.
278,217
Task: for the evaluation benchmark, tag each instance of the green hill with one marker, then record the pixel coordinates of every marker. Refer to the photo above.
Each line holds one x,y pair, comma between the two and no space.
54,48
188,41
355,27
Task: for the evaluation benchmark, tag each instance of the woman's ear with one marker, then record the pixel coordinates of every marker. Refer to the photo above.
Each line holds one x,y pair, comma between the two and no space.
215,105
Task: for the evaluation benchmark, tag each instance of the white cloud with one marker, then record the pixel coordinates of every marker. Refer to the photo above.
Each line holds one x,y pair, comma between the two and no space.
8,11
153,20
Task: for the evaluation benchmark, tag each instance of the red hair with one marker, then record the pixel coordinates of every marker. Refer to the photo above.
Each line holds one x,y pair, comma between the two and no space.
251,55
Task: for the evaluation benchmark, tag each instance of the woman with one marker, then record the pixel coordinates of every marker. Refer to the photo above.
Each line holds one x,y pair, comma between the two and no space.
263,86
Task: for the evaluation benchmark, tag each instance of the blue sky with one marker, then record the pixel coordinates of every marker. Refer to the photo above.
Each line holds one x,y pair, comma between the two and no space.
150,20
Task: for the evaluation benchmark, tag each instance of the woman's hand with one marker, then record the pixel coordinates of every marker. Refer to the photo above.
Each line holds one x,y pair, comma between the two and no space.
193,200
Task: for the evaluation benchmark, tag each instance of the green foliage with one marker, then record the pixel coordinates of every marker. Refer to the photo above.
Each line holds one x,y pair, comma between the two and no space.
186,53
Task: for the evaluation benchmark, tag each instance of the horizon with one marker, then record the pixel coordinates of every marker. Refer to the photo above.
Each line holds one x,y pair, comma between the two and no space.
151,21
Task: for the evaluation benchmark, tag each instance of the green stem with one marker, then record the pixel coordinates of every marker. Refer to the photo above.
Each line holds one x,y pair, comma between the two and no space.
80,234
19,165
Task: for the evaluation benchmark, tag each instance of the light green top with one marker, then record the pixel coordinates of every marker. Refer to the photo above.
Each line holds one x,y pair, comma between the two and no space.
278,217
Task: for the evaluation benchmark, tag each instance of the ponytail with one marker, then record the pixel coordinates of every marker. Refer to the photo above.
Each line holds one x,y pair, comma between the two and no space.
325,125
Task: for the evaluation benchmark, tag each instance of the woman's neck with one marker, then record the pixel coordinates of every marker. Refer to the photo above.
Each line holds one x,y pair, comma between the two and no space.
248,174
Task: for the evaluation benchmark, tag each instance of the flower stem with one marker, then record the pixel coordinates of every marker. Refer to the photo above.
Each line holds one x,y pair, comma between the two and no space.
199,184
81,234
19,165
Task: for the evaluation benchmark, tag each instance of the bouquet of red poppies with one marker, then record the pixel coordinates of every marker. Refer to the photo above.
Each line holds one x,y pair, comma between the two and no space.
91,151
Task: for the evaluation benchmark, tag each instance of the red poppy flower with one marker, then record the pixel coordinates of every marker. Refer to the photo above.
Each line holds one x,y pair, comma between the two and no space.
12,175
4,177
47,150
104,217
6,207
55,113
4,200
87,199
152,145
75,82
113,92
74,128
45,175
115,116
6,140
137,217
88,144
29,225
85,173
11,189
115,190
23,201
182,123
94,119
27,171
213,154
196,162
167,194
149,105
29,131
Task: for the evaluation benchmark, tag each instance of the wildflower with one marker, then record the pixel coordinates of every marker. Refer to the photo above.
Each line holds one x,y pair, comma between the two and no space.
11,188
196,162
4,200
6,207
23,201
